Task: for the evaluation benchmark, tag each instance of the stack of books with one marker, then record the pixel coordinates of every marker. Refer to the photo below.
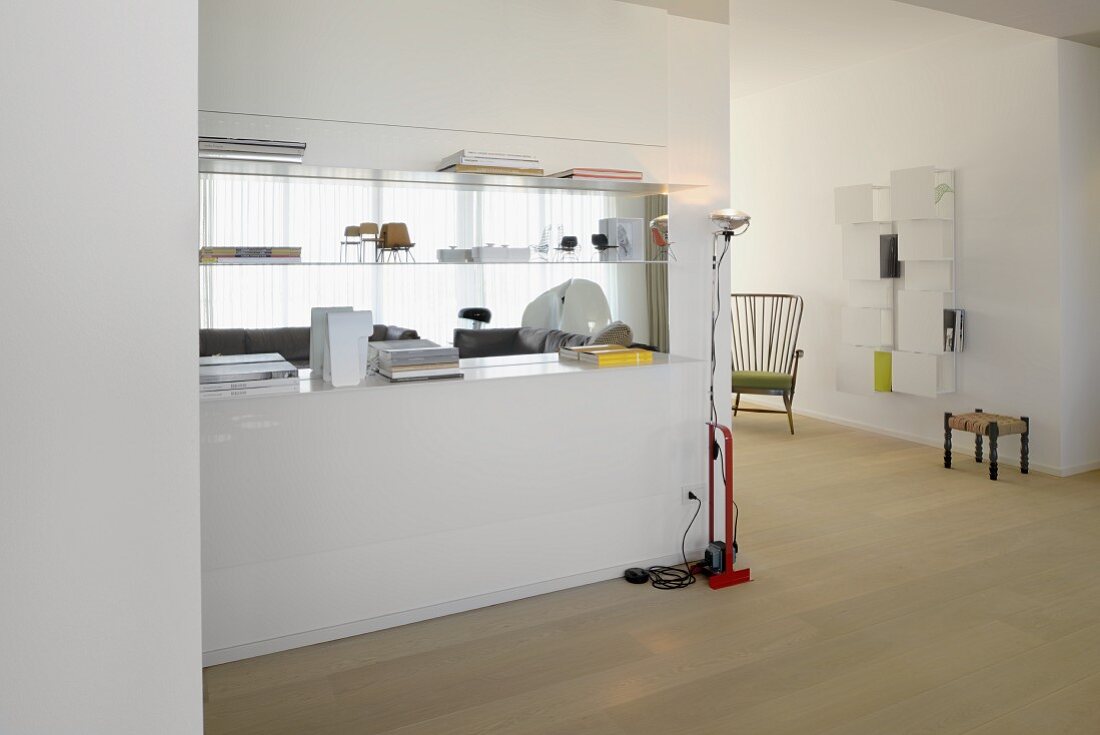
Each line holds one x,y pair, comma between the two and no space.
606,355
401,361
600,174
244,255
231,376
486,162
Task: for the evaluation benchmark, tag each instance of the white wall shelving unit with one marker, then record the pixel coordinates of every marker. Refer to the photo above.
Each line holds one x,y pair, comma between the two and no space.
900,319
867,321
924,204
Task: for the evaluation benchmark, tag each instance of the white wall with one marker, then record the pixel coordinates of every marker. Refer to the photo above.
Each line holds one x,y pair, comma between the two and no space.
389,85
1079,118
99,534
984,104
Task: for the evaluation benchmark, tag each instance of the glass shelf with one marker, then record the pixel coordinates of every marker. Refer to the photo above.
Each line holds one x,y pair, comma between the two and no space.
438,178
433,262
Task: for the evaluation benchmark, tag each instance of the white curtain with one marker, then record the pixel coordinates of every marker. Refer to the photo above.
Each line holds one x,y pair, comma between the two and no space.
312,213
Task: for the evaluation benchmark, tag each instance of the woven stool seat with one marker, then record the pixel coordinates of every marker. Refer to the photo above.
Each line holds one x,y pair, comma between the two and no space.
978,423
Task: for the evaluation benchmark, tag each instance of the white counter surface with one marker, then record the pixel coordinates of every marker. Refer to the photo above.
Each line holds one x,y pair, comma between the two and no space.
473,369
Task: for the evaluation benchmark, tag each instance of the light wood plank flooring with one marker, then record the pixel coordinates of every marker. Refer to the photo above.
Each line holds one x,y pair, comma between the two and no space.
891,596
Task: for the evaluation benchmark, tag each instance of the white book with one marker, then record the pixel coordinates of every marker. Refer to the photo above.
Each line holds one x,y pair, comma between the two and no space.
243,392
245,384
492,155
420,374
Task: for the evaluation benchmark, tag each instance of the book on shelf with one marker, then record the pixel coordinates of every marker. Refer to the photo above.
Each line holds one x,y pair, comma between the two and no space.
411,375
617,358
250,251
607,174
953,329
258,390
207,259
413,359
230,254
490,156
246,384
226,372
494,162
461,168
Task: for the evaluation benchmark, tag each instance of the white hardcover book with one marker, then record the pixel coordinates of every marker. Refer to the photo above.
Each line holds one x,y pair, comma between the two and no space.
490,156
318,337
246,384
348,336
214,395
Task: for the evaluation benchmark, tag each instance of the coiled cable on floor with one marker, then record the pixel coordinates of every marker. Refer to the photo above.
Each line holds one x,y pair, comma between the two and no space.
674,578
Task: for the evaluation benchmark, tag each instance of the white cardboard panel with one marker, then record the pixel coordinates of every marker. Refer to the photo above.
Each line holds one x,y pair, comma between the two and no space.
860,250
920,320
923,375
867,327
922,193
926,239
928,275
861,204
855,370
877,294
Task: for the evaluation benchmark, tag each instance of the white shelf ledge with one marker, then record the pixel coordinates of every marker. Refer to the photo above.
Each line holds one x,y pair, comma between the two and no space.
435,178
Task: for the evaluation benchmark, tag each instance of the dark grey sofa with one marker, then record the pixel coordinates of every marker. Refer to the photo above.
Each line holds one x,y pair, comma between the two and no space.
290,342
515,341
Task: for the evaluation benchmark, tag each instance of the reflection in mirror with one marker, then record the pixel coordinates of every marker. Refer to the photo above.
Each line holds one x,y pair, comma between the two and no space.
448,227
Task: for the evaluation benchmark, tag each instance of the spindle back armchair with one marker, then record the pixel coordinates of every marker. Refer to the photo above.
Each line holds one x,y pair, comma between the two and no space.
765,348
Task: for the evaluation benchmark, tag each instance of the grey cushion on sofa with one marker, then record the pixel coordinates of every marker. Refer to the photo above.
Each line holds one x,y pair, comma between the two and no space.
290,342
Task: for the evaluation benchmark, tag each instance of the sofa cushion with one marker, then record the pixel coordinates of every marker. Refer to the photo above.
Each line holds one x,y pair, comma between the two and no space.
222,342
555,339
759,380
486,342
290,342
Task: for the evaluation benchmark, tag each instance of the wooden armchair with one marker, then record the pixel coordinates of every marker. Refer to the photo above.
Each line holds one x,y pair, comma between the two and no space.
765,348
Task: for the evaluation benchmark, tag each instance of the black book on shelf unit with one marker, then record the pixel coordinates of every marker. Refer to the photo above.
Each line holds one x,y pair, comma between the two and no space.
888,265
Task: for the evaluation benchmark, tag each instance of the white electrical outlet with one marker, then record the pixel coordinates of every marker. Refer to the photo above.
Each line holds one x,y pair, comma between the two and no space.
697,489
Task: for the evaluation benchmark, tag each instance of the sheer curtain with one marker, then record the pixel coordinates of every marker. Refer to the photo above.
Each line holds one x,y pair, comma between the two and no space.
312,213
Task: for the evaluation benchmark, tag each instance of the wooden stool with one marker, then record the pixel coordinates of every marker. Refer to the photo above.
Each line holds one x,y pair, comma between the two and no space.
992,425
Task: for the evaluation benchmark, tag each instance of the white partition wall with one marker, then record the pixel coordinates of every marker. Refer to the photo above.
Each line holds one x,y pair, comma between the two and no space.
99,420
649,94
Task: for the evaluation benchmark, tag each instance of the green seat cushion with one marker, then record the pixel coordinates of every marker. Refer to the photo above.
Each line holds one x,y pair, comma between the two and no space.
759,380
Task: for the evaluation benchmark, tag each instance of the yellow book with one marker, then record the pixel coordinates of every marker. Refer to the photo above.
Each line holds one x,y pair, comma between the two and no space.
621,356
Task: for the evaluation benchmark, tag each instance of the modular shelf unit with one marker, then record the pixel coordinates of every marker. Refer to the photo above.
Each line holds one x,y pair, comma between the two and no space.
893,328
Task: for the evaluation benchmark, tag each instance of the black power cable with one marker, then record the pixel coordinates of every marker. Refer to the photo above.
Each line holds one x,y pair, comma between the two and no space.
674,578
714,365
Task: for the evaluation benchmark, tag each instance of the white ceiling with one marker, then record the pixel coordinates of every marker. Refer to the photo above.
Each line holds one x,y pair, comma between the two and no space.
1077,20
776,42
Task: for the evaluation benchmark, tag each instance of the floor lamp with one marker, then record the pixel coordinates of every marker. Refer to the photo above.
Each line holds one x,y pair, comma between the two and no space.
718,562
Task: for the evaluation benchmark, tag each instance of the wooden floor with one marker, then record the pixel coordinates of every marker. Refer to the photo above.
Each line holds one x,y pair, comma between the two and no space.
890,596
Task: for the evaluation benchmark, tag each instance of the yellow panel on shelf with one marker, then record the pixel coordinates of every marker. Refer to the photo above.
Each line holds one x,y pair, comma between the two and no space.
883,372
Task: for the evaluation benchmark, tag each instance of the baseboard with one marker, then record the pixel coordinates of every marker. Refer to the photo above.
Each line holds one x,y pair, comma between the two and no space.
370,625
1078,469
963,448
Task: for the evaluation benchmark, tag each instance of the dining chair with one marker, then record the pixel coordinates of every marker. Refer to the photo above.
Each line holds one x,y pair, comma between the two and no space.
352,238
394,239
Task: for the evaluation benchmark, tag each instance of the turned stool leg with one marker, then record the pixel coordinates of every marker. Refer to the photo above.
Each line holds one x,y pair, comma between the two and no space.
1025,445
993,433
946,441
978,443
